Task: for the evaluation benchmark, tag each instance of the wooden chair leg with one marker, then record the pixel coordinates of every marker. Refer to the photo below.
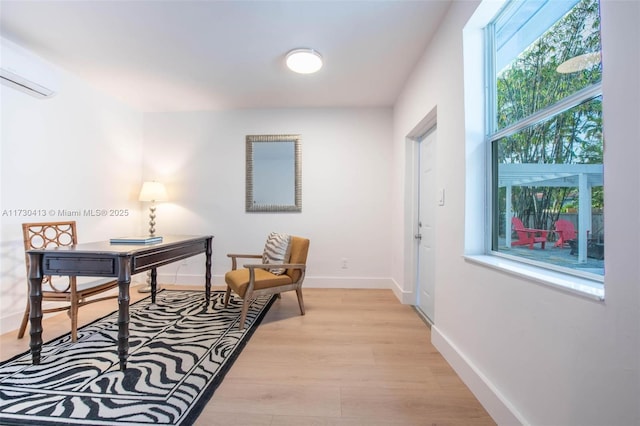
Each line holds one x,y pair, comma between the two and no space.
73,313
245,308
300,301
226,296
25,321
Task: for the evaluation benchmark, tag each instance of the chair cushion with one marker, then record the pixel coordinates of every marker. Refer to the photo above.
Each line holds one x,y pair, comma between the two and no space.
238,280
299,250
277,251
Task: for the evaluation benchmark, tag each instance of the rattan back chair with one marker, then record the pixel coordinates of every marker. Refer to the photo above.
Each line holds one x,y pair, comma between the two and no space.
66,290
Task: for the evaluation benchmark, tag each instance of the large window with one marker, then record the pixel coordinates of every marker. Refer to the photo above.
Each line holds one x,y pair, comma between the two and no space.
545,135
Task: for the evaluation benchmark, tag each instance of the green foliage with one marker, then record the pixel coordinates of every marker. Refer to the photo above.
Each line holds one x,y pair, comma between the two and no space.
531,83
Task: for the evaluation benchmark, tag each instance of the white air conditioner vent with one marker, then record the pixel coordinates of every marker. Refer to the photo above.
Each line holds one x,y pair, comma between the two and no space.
25,71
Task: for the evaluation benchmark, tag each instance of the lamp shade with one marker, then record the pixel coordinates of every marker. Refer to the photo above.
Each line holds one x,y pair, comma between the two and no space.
153,191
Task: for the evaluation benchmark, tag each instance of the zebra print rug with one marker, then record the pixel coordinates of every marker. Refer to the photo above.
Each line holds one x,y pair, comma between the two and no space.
179,351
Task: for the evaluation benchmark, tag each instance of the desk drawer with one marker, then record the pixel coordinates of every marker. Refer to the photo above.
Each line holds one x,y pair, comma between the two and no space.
87,266
167,255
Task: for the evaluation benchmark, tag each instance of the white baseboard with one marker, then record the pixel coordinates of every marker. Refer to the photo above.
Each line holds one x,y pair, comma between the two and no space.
11,322
405,297
188,279
498,407
348,282
309,282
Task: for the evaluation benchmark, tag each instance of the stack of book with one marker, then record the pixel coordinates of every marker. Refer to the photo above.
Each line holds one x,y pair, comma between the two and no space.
136,240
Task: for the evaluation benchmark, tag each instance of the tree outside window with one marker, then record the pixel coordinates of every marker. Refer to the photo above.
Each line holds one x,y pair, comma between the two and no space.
546,130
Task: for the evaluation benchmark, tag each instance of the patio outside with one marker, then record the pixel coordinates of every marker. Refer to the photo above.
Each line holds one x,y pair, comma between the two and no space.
558,256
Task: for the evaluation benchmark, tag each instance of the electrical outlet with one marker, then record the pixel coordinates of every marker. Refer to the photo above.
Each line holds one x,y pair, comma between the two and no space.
344,263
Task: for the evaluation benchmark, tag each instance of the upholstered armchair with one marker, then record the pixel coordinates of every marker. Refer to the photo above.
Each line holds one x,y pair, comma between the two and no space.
269,276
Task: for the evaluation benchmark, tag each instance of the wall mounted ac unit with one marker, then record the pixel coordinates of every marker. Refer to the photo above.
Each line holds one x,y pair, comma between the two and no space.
25,71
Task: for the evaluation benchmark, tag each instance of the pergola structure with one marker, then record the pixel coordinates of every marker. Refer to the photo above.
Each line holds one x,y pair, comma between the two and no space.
580,176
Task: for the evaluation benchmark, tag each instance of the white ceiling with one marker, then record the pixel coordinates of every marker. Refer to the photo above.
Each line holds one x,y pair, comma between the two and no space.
177,55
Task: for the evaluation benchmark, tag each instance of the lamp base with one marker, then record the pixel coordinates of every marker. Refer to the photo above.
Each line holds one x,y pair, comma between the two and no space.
145,289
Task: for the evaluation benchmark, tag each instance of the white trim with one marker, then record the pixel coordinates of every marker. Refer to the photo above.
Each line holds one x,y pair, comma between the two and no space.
11,322
309,282
563,105
508,175
571,284
428,124
496,404
348,282
404,296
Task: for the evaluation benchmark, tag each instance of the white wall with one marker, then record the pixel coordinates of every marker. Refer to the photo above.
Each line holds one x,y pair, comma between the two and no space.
532,354
78,150
345,188
200,156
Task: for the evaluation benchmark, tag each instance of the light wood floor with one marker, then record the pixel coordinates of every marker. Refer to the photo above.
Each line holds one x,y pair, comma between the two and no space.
358,357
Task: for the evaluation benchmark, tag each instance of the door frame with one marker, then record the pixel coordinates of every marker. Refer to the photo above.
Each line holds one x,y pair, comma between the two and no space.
421,185
421,129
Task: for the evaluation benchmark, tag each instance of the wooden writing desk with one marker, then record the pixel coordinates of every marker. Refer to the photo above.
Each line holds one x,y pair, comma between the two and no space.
103,259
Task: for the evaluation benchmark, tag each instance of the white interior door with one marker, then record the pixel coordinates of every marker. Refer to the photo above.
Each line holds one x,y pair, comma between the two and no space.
427,204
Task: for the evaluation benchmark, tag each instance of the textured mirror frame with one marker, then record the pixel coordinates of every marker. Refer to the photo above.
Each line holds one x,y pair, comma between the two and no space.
250,204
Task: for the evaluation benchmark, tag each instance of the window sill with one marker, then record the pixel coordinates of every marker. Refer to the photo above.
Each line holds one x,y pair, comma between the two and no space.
591,289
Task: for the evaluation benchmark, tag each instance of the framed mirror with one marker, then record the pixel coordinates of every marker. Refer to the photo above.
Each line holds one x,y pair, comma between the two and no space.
274,173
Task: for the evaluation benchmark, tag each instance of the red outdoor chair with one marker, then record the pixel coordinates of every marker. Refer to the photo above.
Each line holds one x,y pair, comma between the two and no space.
566,232
528,236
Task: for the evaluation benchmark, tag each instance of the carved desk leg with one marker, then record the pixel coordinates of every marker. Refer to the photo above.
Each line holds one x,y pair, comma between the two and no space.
207,272
154,284
35,301
124,281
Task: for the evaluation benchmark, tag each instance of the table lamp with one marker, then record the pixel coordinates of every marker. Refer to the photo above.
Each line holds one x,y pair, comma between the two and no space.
152,191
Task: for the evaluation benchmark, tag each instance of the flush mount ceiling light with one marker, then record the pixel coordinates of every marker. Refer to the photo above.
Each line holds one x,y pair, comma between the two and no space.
304,61
579,63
